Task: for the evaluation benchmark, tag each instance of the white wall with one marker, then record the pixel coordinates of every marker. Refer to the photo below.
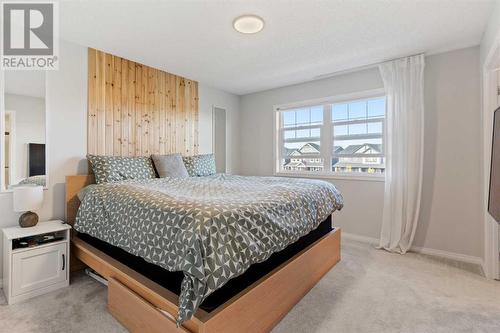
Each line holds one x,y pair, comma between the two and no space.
210,97
67,130
29,127
451,212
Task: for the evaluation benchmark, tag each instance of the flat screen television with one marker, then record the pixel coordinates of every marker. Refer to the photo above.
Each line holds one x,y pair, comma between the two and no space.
36,159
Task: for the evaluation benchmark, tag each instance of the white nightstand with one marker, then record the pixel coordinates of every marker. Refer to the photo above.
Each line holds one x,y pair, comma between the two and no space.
38,269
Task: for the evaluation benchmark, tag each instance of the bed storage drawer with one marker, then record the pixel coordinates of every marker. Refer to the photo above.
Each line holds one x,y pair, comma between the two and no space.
135,313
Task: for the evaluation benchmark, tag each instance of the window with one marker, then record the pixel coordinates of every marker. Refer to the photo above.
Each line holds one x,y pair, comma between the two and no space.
301,130
333,137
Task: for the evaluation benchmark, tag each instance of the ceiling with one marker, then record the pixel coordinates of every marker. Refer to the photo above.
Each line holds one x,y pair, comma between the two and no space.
26,83
301,40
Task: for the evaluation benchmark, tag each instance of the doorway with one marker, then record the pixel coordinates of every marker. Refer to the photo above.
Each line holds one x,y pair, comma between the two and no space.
219,138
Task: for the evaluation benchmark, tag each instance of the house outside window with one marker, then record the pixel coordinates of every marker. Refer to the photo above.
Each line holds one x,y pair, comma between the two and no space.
335,136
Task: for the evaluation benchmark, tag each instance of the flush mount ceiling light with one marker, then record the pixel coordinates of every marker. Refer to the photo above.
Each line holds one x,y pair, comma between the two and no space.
248,24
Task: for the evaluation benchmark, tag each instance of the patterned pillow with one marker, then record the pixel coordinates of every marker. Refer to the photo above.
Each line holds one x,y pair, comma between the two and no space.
115,168
200,165
170,165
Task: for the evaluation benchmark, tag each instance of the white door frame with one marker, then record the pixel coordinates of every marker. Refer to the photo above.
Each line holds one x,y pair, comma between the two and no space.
213,132
12,142
491,83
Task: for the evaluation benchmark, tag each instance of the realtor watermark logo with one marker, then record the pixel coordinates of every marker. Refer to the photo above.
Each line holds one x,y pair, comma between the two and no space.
30,36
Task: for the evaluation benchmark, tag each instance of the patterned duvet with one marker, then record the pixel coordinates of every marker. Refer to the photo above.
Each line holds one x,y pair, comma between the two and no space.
211,228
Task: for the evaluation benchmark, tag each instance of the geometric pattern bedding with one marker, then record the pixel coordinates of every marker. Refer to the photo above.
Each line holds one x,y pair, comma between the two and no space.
115,168
200,165
34,180
210,228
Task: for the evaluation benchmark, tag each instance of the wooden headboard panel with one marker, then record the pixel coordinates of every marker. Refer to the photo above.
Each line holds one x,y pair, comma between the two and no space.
73,185
136,110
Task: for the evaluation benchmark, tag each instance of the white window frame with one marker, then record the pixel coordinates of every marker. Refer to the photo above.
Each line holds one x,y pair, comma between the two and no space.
326,128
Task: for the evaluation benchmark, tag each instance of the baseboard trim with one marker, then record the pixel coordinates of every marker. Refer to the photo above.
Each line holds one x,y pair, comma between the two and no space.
448,255
422,250
359,238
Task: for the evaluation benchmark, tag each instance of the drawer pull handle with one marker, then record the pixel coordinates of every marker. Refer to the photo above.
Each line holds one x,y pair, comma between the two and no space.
64,262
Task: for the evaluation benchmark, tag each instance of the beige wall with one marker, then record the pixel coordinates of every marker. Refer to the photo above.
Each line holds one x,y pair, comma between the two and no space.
256,114
489,61
451,214
362,213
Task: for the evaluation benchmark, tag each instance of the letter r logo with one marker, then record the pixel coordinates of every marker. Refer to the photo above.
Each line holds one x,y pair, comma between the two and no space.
28,29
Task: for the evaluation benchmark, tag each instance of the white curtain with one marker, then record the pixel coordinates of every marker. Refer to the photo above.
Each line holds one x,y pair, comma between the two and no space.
404,85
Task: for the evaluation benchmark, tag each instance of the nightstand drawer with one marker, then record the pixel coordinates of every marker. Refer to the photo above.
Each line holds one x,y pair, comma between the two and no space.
38,268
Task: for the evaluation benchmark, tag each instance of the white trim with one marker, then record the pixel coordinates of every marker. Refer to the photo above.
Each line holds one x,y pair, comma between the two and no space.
448,255
418,249
307,140
358,121
301,127
12,143
213,132
2,131
47,146
327,129
358,155
368,136
327,137
212,128
338,175
359,238
277,141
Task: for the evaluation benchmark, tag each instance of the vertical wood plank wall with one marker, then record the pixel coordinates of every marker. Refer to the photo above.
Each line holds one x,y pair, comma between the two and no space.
136,110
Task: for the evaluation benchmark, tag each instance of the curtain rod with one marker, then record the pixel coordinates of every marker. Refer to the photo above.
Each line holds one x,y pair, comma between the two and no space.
357,69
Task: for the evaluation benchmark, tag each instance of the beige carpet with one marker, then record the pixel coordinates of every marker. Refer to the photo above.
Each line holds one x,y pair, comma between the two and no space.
369,291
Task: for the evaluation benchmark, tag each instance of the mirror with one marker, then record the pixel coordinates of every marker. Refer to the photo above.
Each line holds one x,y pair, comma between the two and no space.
23,156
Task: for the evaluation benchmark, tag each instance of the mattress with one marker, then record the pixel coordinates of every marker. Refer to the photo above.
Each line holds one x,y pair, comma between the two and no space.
172,280
211,229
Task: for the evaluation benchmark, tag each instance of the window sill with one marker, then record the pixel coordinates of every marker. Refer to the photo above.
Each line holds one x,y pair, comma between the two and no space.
338,176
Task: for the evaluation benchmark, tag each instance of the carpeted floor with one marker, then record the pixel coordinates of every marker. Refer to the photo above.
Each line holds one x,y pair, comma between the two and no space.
368,291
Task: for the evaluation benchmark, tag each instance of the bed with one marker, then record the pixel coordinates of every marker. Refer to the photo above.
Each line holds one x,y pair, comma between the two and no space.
34,181
215,230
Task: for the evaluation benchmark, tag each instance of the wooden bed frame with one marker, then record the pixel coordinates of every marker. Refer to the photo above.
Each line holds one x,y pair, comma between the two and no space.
142,305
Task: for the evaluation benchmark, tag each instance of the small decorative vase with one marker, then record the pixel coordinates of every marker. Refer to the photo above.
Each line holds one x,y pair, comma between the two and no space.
28,219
